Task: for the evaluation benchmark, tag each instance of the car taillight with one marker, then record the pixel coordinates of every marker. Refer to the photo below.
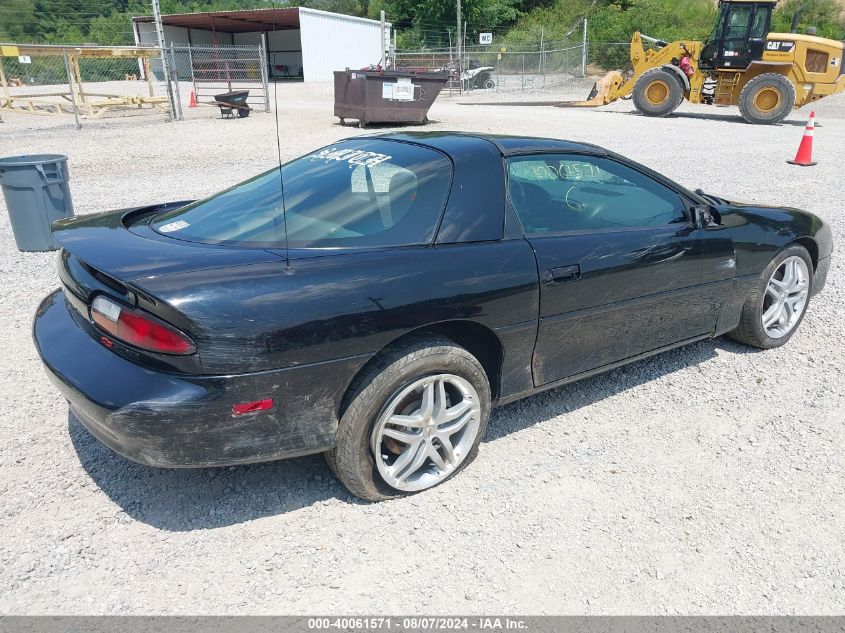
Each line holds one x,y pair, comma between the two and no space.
138,328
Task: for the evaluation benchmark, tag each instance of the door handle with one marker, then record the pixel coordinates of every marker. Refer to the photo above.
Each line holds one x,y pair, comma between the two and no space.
562,274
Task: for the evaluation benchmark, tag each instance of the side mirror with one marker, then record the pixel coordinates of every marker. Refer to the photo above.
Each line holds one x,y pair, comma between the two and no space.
703,217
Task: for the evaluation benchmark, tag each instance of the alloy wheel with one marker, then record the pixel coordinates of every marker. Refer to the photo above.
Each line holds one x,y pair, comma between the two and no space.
426,431
786,297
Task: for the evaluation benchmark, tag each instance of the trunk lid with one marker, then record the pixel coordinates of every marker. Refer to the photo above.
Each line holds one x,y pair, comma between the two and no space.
117,254
121,245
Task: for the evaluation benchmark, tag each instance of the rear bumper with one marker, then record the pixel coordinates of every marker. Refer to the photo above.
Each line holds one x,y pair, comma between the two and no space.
162,419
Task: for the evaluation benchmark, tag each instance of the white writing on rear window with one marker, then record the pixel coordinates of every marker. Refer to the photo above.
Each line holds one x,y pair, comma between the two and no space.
351,156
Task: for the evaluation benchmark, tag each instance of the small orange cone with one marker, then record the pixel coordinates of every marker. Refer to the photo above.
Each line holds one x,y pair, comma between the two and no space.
804,157
193,102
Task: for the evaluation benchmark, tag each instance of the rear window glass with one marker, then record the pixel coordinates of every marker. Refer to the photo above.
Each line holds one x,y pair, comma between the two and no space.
353,194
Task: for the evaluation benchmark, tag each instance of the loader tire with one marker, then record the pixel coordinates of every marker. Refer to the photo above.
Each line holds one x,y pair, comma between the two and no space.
767,99
658,93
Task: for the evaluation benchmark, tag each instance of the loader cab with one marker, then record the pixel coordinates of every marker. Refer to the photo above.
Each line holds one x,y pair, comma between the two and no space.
739,36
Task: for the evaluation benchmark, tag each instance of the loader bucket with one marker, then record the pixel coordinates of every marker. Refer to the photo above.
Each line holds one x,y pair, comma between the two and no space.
600,94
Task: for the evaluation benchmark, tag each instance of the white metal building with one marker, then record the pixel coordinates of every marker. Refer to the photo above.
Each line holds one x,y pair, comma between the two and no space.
300,42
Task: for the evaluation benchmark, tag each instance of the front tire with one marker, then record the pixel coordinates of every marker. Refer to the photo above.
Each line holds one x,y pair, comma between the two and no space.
767,99
658,93
414,420
778,302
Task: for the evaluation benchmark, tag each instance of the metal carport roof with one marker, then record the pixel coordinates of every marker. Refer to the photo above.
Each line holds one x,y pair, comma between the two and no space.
246,21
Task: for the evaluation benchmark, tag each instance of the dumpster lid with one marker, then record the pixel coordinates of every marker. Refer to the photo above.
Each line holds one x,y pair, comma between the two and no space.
393,74
31,159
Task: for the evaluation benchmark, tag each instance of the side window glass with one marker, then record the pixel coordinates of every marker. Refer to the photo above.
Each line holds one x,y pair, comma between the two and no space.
738,22
560,193
758,30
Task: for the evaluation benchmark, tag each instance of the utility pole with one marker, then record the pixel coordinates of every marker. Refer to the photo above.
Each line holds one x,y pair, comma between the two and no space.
160,35
542,56
383,61
584,51
458,44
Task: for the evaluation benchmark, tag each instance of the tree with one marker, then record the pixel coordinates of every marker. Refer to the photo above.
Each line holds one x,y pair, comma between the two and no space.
825,15
17,20
434,18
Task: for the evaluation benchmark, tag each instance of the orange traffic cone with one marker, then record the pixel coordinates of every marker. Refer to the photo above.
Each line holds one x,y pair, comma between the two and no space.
804,157
193,102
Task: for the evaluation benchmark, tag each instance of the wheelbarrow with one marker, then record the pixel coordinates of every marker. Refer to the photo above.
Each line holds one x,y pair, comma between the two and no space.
232,102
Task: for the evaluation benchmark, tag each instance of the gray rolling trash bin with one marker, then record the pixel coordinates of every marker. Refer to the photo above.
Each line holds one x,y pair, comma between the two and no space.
37,193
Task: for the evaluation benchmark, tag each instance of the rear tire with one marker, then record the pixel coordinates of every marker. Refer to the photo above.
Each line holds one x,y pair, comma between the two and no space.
658,92
763,300
366,432
767,99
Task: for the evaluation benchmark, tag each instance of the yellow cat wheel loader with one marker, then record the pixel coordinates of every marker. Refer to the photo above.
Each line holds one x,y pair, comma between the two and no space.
766,74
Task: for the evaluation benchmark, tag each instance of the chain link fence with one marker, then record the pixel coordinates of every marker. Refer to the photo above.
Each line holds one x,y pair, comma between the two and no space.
547,68
110,82
606,56
543,67
536,66
84,82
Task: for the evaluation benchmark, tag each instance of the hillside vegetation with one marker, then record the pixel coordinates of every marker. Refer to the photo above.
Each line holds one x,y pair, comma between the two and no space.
420,23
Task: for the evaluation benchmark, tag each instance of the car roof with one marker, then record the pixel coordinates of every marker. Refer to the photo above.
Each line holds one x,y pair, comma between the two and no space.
451,143
466,146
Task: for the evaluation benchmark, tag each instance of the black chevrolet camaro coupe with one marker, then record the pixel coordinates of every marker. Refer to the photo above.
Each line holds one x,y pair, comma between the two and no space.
377,298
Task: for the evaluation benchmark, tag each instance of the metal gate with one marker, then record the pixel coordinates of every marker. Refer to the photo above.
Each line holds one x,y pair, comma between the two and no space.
217,69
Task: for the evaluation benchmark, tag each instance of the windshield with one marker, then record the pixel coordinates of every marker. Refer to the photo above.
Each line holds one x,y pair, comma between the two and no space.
365,193
716,33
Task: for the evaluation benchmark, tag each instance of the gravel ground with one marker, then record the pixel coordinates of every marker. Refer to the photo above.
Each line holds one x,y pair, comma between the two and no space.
706,480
